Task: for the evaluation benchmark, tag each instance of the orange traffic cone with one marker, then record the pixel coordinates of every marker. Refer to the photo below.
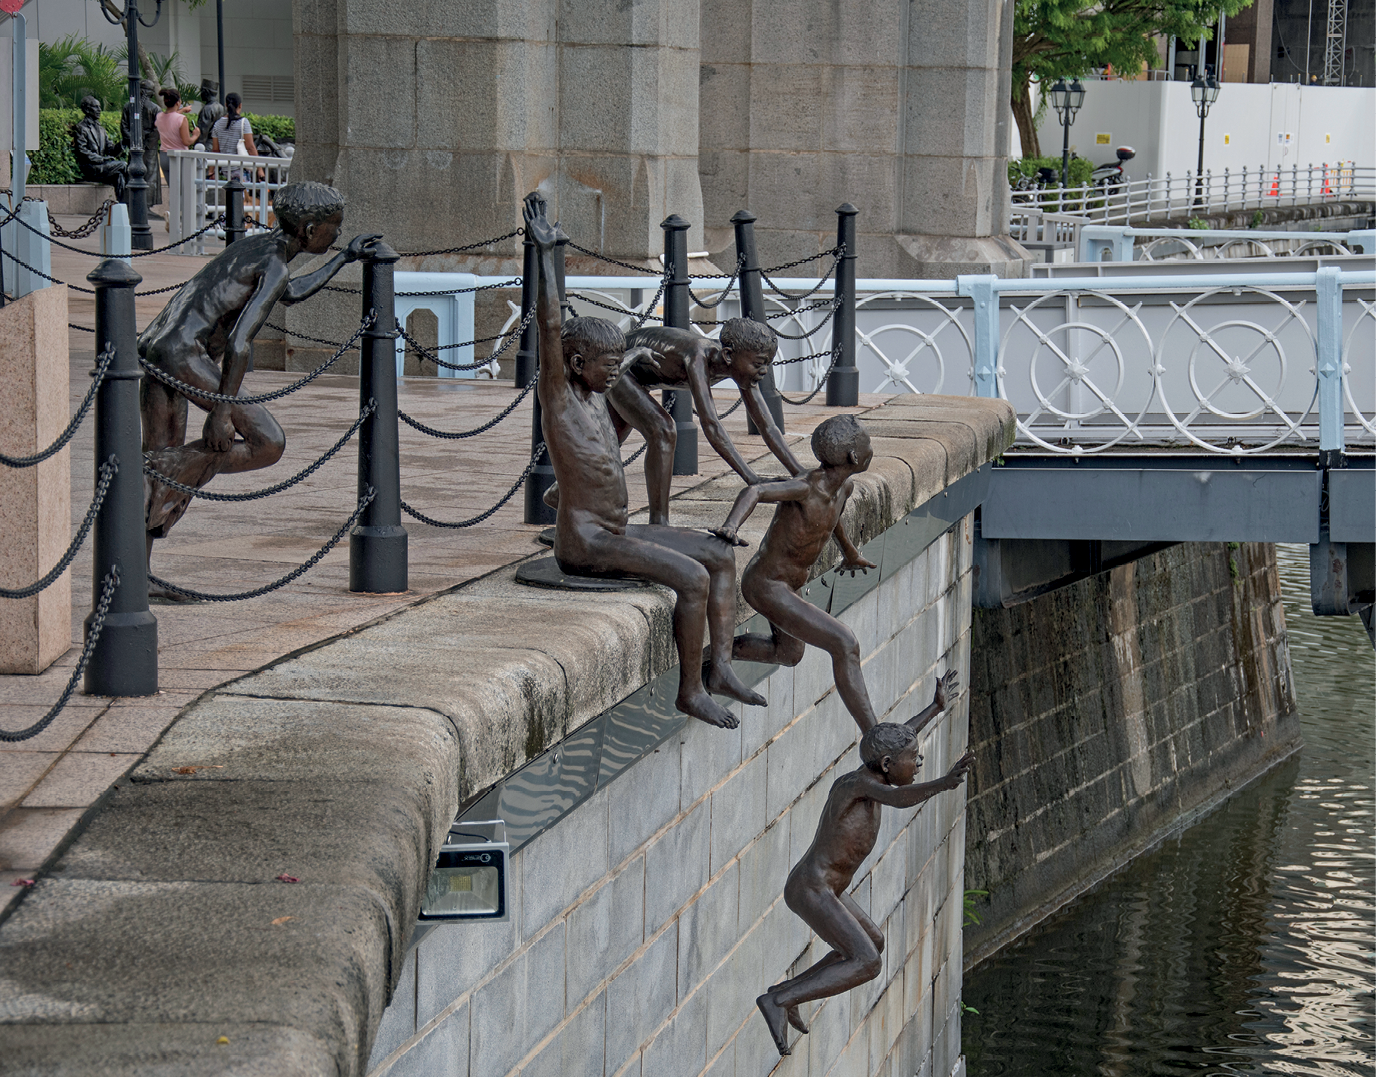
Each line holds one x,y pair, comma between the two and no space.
1275,186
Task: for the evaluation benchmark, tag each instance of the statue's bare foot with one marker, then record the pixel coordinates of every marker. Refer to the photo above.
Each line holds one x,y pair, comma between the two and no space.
722,680
706,709
795,1019
774,1017
551,497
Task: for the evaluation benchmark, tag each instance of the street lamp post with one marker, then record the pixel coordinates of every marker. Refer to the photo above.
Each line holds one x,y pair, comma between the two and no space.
1204,92
137,187
1066,100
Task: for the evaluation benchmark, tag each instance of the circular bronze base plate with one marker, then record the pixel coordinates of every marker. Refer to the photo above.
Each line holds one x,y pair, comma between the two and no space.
546,573
546,537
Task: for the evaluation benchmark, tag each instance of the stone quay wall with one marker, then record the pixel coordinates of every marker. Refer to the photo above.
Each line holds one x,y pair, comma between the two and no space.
1108,714
245,902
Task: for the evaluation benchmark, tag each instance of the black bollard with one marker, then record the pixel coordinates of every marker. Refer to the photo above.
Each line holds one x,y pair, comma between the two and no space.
541,476
234,209
678,402
377,545
752,307
843,386
125,659
526,351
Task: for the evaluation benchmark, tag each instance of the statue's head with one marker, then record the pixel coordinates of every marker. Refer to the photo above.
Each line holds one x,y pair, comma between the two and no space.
749,348
593,348
149,87
307,210
842,440
890,750
210,90
90,106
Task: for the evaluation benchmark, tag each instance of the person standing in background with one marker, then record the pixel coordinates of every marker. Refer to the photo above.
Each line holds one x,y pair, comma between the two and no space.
174,128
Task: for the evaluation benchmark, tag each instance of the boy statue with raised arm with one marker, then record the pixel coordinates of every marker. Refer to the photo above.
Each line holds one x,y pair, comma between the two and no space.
809,513
579,362
817,887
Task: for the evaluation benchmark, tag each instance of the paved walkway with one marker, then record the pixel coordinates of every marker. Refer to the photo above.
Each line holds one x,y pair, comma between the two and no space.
47,783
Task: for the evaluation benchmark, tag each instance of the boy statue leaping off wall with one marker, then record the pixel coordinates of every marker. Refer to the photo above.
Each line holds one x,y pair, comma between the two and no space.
809,513
663,357
579,362
846,833
204,337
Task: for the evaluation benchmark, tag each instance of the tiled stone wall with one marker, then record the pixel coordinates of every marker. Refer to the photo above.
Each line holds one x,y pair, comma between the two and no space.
646,921
1108,713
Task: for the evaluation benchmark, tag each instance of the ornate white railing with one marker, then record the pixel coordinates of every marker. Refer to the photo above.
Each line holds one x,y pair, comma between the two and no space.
196,190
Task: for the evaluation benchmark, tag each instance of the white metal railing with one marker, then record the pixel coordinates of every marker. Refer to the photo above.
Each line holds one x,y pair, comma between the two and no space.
196,190
1105,242
1161,198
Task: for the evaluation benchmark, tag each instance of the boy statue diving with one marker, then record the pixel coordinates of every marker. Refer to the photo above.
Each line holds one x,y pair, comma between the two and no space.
817,886
204,337
579,363
808,513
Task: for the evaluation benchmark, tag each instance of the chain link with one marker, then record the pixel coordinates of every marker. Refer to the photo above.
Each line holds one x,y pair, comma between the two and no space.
108,471
511,339
835,356
458,250
613,262
133,254
835,305
725,290
534,459
639,319
635,455
451,436
78,288
102,610
203,596
267,491
97,376
186,389
83,231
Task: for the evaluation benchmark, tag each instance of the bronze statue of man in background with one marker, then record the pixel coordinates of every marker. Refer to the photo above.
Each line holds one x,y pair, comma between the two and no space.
579,362
204,337
148,106
97,154
817,886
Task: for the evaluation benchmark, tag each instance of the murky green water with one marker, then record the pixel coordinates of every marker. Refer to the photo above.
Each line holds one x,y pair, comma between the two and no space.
1244,946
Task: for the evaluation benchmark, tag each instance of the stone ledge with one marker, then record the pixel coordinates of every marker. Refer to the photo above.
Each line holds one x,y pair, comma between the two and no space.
342,767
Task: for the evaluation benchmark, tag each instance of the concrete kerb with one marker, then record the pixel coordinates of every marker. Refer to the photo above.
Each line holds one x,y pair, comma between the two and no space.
342,766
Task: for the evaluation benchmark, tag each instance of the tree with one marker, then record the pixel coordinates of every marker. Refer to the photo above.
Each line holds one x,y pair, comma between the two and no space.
116,15
1068,38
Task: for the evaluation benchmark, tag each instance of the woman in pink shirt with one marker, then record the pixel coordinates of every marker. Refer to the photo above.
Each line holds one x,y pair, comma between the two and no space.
174,129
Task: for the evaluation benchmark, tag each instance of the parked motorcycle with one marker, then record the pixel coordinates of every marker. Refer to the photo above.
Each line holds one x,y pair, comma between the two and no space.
1111,174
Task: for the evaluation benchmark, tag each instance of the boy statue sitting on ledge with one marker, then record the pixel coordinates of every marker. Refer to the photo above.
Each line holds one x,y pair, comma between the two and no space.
579,362
816,887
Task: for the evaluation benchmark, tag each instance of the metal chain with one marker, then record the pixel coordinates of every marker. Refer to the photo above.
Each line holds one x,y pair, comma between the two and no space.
803,336
267,491
133,254
839,252
612,261
635,455
107,593
725,289
302,336
203,596
83,231
640,320
187,389
511,338
78,288
803,358
457,250
835,252
451,291
835,355
534,459
108,471
726,414
646,313
97,376
450,436
789,312
80,328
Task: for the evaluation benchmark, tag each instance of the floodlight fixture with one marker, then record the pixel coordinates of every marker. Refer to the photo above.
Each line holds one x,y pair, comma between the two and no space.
470,877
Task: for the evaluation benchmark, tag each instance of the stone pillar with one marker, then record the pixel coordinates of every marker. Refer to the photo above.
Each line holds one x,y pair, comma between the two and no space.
435,120
899,106
37,518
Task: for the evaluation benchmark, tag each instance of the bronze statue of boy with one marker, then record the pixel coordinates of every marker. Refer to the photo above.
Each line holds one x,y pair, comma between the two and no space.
809,513
579,362
204,337
846,833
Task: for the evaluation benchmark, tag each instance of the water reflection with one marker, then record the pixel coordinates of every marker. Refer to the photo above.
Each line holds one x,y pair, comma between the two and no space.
1245,945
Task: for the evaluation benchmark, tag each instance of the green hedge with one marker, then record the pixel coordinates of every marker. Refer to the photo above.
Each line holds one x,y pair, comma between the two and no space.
53,161
1027,166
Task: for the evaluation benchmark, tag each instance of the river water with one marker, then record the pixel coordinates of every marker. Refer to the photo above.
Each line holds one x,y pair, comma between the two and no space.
1242,946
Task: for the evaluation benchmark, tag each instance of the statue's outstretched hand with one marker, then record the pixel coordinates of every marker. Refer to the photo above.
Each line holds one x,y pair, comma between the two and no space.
859,564
538,228
956,774
947,688
359,246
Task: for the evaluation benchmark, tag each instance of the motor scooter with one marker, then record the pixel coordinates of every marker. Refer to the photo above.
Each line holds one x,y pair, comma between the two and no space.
1111,174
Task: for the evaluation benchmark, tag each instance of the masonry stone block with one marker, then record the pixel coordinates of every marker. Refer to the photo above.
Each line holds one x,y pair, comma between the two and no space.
803,817
680,1049
498,1022
723,1064
641,997
707,930
789,758
830,1030
605,929
454,957
676,866
759,724
643,799
561,863
738,810
399,1019
707,755
731,989
756,1055
765,865
441,1052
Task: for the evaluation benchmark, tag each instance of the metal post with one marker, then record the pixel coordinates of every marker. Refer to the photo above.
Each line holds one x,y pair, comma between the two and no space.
752,307
1065,153
981,290
377,545
125,660
843,387
541,476
1329,294
234,209
527,355
137,187
19,100
220,45
678,402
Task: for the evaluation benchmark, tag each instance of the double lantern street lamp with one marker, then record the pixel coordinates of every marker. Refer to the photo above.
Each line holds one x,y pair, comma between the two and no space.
137,187
1204,92
1066,100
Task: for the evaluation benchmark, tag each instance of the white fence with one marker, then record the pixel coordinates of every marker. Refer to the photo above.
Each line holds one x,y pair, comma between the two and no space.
196,190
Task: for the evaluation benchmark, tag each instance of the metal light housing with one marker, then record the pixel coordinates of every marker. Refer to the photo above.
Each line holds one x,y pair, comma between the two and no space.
1060,95
1204,92
470,877
1077,96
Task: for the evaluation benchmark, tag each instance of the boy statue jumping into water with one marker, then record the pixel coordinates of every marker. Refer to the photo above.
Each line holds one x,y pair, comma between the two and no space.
204,337
846,833
663,357
579,362
809,513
